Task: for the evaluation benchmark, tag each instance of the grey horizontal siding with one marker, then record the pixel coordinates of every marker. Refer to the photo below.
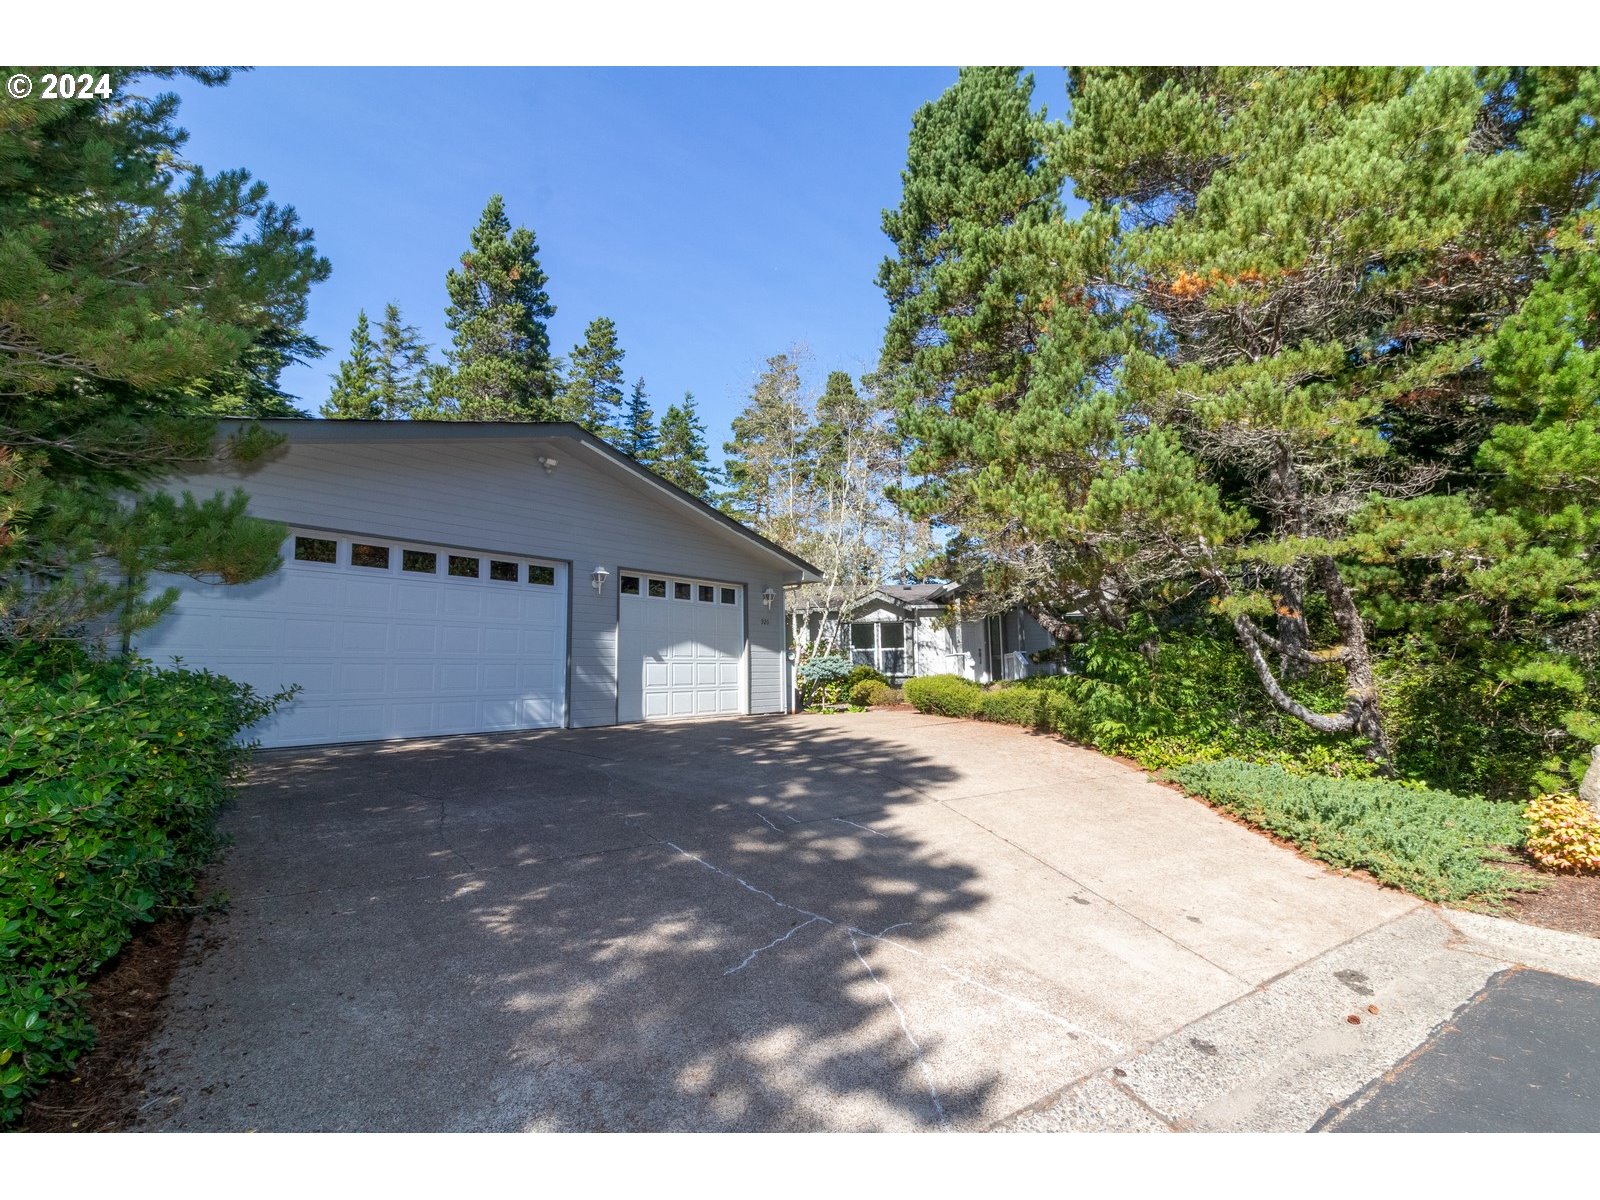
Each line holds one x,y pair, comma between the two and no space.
491,494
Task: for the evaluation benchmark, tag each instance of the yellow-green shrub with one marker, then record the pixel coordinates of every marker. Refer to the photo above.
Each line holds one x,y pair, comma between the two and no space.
1563,833
871,693
1015,706
944,695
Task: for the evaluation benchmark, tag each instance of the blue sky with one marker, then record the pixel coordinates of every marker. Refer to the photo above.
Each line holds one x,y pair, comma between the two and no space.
717,215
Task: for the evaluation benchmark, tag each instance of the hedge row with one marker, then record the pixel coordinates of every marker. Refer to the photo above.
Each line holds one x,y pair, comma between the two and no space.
953,696
111,774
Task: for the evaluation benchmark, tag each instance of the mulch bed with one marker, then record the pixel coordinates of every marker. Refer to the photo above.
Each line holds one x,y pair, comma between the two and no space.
125,1005
1570,902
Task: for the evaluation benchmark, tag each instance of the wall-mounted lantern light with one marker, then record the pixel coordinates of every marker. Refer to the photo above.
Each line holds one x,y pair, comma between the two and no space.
598,578
767,597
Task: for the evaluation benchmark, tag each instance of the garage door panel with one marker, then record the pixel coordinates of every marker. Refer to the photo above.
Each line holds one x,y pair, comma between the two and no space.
371,597
412,720
684,657
462,601
458,716
500,641
414,677
459,677
499,677
379,653
310,633
365,637
359,721
459,639
417,599
362,678
416,639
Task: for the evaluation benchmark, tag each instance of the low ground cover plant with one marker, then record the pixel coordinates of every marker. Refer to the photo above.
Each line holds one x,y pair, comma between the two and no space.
111,775
1434,844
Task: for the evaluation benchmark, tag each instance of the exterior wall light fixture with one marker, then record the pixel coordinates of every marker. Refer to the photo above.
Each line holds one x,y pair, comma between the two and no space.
598,578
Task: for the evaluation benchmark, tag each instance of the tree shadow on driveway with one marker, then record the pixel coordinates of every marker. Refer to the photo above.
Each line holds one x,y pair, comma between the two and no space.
703,926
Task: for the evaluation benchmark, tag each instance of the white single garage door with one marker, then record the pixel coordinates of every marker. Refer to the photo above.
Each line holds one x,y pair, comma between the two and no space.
681,647
387,639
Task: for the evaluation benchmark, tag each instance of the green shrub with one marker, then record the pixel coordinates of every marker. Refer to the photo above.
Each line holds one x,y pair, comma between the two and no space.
862,673
945,695
1015,706
1433,844
823,679
110,776
871,693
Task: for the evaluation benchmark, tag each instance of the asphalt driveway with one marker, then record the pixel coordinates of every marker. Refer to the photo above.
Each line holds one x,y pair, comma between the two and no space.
862,921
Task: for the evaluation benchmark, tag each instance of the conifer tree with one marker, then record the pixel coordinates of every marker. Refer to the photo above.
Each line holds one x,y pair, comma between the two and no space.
682,457
1310,321
357,391
766,460
402,366
592,393
141,297
499,359
639,436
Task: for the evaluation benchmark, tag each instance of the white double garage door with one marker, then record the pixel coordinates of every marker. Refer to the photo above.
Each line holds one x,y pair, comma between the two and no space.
392,639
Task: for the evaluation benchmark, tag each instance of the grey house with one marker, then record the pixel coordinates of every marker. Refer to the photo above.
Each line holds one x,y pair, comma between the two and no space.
918,629
456,577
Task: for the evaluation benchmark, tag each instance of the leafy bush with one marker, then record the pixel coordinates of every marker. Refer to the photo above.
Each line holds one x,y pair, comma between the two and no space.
1466,726
1563,833
861,673
1015,706
1187,695
110,776
871,693
945,695
823,679
1433,844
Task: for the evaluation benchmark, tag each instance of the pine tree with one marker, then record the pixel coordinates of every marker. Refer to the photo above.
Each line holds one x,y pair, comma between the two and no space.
1273,364
592,393
499,360
357,392
402,366
639,437
766,460
683,457
140,298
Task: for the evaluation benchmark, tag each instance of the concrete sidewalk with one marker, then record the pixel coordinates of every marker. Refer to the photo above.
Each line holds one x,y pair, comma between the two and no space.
861,921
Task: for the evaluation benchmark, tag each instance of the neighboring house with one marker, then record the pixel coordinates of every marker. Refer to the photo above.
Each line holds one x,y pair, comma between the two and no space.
459,577
914,630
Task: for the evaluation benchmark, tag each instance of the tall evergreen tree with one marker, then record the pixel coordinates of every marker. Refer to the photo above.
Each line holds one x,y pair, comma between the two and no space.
766,460
592,393
357,392
139,297
1271,364
683,457
639,436
499,359
402,366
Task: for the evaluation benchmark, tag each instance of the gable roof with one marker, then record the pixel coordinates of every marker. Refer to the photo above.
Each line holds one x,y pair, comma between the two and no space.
323,429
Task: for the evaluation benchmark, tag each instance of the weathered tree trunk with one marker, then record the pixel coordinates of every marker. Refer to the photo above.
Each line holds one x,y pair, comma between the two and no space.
1361,715
1293,632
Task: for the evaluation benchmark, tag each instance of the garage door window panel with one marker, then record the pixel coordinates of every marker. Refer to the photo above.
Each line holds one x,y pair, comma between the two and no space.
365,554
316,550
